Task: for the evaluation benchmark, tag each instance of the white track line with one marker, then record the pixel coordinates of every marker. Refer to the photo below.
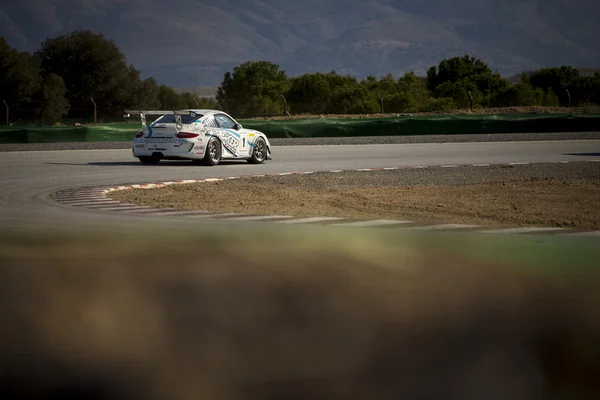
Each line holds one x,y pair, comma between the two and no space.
217,215
260,217
376,222
126,209
308,220
521,230
441,227
155,211
93,203
77,196
123,207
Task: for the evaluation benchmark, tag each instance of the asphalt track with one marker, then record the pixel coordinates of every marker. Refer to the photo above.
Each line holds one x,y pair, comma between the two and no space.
28,179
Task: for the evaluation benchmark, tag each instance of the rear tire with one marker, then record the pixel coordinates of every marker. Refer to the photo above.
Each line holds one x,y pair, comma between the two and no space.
213,152
149,160
259,152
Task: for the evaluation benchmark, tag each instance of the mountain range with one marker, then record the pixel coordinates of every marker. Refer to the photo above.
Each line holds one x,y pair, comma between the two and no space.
187,43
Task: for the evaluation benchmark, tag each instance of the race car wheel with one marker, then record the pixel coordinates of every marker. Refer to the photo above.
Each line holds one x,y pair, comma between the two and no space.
259,154
149,159
213,152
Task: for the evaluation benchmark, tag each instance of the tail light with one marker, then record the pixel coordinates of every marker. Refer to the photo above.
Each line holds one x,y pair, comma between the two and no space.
185,135
139,135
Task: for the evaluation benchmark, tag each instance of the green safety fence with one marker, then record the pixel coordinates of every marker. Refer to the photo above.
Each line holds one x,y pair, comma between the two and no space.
324,127
427,125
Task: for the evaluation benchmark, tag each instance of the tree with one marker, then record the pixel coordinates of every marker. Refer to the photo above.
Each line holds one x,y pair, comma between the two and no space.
19,76
144,95
556,79
50,98
169,99
520,94
91,67
254,88
309,93
413,93
459,92
455,69
188,100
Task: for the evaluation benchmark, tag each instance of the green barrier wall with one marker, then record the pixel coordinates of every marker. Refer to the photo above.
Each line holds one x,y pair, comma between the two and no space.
426,125
463,124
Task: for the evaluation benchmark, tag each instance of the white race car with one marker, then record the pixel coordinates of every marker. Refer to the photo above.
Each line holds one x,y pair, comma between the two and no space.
204,136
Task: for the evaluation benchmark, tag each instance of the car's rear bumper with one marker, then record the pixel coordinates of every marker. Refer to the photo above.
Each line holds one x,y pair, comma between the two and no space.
169,148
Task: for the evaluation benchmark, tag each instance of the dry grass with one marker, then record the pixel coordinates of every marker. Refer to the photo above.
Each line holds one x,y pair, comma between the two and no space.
228,320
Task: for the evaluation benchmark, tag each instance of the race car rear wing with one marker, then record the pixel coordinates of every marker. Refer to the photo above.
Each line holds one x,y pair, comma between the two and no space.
143,113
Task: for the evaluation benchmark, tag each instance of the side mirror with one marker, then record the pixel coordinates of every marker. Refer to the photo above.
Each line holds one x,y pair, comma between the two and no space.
238,126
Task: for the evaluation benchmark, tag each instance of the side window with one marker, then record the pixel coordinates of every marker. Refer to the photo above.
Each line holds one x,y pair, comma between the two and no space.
224,121
210,121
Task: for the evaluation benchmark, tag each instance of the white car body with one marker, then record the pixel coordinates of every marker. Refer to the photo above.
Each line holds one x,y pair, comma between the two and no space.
207,136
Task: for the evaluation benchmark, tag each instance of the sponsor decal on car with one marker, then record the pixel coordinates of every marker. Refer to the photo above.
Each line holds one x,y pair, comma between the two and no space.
158,140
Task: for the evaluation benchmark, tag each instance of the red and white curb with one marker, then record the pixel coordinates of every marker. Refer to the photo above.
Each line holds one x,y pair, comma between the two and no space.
97,198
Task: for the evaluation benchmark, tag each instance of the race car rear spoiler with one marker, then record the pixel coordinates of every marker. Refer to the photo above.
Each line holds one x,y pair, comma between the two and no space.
143,113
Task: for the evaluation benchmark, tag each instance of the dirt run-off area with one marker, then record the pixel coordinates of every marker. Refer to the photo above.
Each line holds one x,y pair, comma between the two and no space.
556,195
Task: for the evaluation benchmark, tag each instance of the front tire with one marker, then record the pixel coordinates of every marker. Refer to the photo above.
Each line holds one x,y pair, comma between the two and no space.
259,152
213,152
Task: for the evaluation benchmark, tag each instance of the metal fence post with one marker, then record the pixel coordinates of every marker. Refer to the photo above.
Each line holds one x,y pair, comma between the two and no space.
94,110
7,110
285,113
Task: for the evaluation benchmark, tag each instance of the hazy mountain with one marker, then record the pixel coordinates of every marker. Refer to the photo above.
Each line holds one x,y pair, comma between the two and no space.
194,42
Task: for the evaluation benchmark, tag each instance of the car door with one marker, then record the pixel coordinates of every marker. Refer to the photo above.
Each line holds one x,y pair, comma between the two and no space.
228,125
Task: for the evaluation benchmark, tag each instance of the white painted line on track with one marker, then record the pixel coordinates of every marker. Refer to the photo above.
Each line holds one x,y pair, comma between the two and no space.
217,215
92,203
260,217
156,211
69,200
376,222
122,207
75,196
308,220
521,230
441,227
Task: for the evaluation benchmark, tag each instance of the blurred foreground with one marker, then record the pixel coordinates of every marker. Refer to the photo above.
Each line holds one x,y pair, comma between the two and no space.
345,316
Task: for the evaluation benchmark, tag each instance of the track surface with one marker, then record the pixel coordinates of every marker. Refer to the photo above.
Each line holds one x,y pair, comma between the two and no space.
29,178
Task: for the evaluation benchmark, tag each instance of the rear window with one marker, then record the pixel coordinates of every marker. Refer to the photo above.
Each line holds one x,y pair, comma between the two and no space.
185,119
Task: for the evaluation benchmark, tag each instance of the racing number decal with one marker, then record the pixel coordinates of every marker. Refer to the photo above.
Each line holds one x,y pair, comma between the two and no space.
230,142
244,143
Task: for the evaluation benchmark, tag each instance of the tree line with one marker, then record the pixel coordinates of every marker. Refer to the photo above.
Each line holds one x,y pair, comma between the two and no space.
69,73
257,87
